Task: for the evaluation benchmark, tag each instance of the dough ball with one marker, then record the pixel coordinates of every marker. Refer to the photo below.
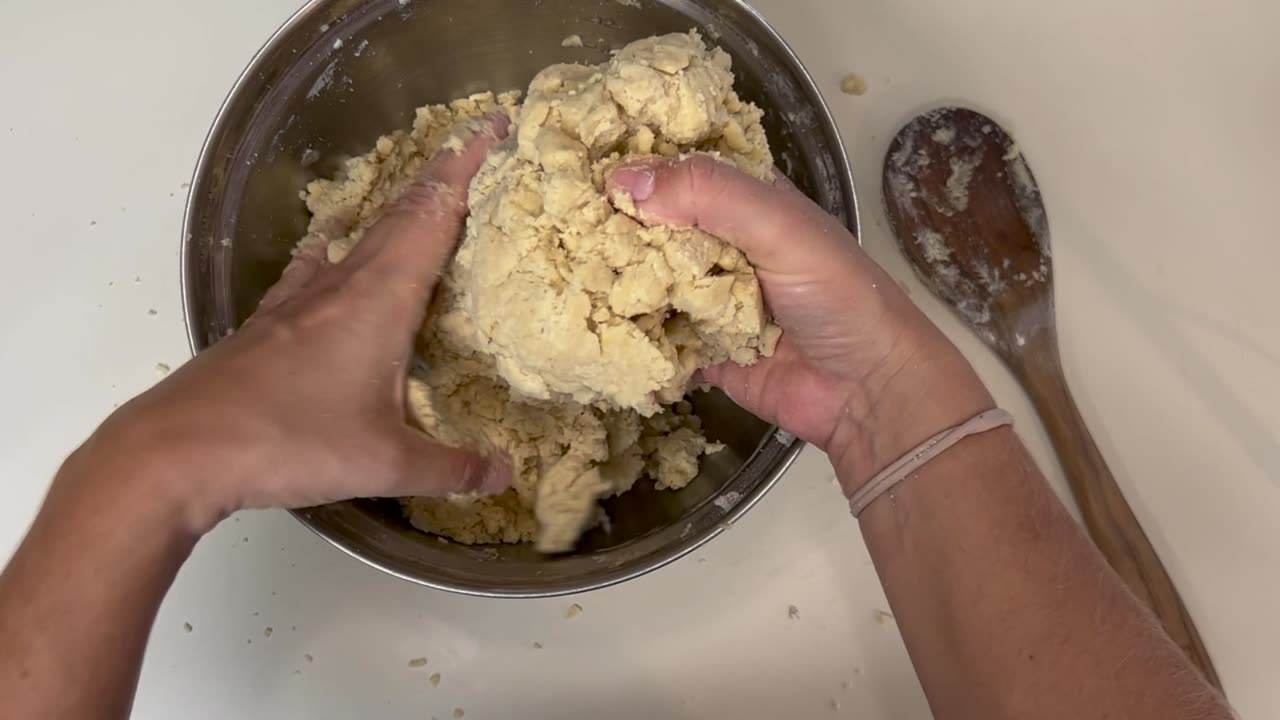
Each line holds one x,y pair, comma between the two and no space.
563,288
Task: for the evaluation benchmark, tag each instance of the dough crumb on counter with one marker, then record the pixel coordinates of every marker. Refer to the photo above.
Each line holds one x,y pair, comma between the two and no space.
418,662
573,611
853,84
565,332
434,679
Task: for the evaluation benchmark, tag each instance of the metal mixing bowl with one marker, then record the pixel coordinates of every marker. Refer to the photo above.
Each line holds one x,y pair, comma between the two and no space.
339,74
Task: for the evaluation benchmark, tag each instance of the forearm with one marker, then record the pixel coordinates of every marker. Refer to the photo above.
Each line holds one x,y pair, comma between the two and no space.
78,599
1007,609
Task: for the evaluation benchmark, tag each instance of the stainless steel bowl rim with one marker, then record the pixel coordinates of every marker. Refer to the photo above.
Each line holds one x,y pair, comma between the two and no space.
604,580
245,84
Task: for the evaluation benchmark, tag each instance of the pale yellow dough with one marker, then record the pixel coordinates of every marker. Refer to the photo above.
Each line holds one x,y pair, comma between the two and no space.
565,333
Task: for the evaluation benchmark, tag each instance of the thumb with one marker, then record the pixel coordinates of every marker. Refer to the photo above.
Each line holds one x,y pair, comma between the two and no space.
780,230
430,469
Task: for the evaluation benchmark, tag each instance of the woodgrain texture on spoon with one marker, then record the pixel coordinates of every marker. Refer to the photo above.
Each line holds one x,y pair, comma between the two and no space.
967,212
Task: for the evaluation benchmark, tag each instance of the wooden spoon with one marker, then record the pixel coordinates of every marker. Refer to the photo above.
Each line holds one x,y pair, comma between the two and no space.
968,214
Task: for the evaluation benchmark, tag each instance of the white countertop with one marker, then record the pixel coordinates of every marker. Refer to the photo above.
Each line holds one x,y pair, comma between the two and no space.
1151,127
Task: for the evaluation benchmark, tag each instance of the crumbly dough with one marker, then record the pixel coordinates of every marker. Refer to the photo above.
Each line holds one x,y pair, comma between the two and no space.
576,300
565,333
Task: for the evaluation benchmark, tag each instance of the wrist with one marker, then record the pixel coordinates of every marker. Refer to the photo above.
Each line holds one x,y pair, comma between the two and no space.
928,393
96,492
139,473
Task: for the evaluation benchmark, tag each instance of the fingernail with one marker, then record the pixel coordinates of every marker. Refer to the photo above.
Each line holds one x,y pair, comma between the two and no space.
638,180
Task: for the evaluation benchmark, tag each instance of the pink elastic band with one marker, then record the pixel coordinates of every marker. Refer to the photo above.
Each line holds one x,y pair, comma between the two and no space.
886,479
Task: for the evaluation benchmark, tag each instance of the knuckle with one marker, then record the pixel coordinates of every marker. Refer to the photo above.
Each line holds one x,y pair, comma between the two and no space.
704,171
360,284
300,318
427,205
708,181
429,194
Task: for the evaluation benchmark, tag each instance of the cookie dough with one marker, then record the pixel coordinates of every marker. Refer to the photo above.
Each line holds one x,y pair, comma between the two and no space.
564,334
575,300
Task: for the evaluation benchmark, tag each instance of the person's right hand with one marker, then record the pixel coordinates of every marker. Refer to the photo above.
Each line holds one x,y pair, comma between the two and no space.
859,372
305,404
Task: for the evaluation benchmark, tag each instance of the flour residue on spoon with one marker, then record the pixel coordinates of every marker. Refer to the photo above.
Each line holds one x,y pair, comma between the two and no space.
906,168
933,246
961,178
1027,197
941,180
948,280
931,176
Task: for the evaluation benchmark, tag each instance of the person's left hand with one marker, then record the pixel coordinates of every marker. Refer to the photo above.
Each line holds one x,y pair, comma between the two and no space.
306,403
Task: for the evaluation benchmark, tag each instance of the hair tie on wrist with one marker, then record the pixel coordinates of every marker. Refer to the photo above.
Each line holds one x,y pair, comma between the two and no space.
904,467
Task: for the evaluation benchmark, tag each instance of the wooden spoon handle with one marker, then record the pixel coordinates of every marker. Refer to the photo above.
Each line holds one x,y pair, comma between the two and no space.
1107,515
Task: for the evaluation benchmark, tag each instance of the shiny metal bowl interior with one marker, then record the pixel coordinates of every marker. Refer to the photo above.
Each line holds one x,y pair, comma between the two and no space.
339,74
